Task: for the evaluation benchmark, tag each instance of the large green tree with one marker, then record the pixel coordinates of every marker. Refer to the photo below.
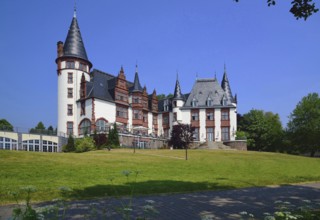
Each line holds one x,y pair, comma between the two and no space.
304,124
5,125
263,130
299,8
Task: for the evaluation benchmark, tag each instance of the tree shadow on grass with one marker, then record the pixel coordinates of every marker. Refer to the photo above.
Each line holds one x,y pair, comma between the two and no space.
145,188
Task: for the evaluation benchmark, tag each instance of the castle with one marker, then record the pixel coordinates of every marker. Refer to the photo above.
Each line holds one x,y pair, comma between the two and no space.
92,100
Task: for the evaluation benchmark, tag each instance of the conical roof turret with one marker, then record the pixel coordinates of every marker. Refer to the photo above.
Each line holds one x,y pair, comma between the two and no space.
226,86
136,83
74,46
177,91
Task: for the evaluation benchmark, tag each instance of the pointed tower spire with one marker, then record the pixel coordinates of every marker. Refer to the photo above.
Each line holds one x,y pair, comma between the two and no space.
226,85
136,83
74,46
177,90
75,9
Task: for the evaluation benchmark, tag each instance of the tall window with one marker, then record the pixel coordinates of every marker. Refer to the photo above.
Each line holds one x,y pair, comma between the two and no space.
166,119
155,119
145,117
70,93
70,110
70,78
196,134
69,127
70,64
122,112
195,116
209,102
225,114
85,127
210,115
102,125
225,133
194,102
136,99
122,97
210,134
136,114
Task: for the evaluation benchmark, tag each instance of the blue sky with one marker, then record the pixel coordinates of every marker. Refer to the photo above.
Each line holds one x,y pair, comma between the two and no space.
272,59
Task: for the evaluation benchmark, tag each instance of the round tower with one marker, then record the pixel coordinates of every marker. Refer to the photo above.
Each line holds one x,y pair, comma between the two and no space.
72,63
177,103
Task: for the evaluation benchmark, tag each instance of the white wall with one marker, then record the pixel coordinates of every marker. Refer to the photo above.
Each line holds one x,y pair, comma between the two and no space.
217,118
105,109
233,123
202,131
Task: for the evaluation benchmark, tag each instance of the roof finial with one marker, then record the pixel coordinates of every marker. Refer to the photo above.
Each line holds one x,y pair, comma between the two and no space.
197,76
75,9
136,66
225,68
215,75
177,75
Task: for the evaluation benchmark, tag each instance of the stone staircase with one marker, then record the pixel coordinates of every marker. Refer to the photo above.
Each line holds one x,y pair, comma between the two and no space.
214,146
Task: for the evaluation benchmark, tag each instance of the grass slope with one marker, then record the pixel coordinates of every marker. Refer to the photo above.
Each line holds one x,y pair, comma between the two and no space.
162,171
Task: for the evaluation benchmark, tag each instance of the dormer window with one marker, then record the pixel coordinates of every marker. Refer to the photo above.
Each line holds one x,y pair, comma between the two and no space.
194,102
209,102
224,101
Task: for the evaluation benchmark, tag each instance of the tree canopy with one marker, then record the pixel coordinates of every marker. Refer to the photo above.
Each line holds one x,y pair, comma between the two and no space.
181,136
263,130
299,8
304,124
5,125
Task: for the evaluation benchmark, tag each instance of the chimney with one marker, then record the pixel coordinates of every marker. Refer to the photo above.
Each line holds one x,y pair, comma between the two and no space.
60,48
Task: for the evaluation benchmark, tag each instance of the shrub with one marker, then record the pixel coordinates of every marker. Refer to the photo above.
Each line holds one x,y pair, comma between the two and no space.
69,147
84,144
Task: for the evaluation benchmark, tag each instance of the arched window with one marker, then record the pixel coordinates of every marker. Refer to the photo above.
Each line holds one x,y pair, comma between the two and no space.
85,127
102,125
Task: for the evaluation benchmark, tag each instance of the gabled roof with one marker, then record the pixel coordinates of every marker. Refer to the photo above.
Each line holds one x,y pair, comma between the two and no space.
204,90
74,46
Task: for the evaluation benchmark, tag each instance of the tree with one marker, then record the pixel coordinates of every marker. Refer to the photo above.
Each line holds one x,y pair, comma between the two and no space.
299,8
5,125
100,140
304,124
163,96
113,136
50,130
263,129
181,136
70,146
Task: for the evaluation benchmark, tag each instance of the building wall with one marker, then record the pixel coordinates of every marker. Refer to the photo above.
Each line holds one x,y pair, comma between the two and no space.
217,118
233,123
104,109
202,130
64,101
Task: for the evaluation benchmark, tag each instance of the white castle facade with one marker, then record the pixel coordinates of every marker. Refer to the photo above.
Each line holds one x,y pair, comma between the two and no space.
92,100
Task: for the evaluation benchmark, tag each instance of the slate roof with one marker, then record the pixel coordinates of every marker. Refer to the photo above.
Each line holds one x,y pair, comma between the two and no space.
177,95
205,89
100,86
136,84
74,46
226,87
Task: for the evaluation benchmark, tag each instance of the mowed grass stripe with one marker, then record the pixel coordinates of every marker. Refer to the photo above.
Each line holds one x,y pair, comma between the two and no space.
89,174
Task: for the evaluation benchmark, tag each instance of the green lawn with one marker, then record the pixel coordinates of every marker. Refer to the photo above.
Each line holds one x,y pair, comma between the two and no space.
162,171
